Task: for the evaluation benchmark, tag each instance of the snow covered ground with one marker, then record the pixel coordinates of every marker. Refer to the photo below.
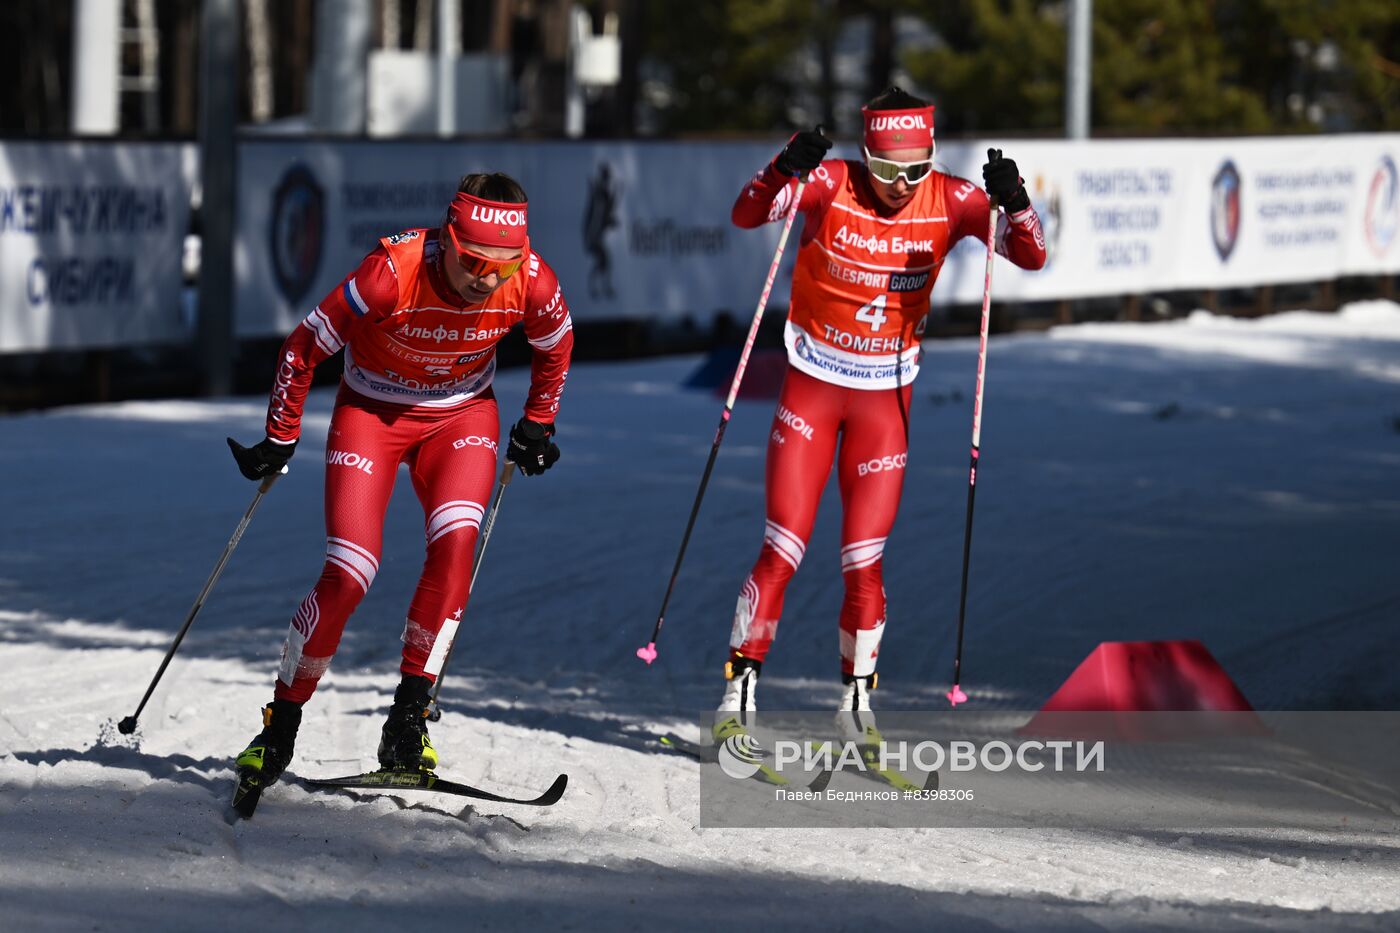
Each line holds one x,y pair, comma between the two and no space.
1233,481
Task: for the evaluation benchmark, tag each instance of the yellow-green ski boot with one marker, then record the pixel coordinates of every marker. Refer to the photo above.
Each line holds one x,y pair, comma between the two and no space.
260,764
404,744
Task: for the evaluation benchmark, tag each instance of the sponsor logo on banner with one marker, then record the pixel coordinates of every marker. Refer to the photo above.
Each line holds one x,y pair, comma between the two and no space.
90,245
297,233
1383,207
599,216
667,238
1225,209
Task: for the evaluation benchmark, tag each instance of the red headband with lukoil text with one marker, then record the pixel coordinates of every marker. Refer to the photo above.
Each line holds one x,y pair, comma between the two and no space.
898,129
488,223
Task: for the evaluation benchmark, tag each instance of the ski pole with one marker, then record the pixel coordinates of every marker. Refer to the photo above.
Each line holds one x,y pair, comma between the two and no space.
648,651
128,725
507,472
956,695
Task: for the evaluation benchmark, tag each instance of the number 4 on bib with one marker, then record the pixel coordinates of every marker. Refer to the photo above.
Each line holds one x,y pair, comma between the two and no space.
873,313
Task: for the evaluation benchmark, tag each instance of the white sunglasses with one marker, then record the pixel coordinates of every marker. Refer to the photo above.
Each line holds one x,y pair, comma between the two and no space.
889,171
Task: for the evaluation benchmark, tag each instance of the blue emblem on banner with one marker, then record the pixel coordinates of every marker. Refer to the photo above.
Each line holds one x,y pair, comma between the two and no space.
297,231
1383,207
1225,209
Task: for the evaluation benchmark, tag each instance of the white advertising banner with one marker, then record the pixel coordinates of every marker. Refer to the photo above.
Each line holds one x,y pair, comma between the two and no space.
641,230
1288,210
633,230
1109,211
91,240
1132,217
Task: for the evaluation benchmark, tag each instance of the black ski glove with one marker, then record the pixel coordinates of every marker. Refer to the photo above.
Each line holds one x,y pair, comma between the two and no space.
531,448
803,153
1003,182
262,459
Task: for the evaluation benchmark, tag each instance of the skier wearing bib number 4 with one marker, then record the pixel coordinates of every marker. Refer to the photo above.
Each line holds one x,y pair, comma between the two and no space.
876,234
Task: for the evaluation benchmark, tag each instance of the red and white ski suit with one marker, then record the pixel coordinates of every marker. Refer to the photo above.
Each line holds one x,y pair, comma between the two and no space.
860,300
416,390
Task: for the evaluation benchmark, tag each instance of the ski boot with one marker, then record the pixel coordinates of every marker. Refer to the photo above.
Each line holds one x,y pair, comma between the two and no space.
854,720
856,723
733,721
267,756
737,707
404,744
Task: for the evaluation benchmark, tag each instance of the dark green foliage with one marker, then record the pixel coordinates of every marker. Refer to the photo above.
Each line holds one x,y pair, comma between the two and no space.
728,61
1169,66
1160,66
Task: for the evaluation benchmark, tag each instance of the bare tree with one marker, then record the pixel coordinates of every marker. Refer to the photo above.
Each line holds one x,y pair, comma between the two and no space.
148,48
259,61
423,25
882,50
183,85
391,23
